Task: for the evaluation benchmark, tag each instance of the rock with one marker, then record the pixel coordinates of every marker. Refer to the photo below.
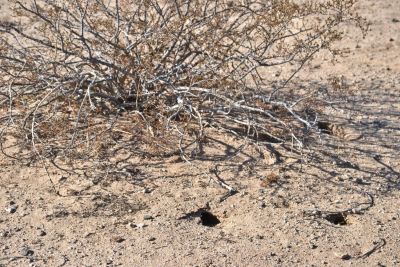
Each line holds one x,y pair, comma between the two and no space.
360,181
147,190
345,257
148,217
152,239
26,251
137,225
4,233
261,204
87,234
12,207
41,233
118,239
394,20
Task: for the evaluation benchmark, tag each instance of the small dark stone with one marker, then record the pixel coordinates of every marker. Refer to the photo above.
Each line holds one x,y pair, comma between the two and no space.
346,257
391,39
148,217
147,190
4,233
26,251
394,20
11,209
41,233
272,254
361,182
118,239
152,239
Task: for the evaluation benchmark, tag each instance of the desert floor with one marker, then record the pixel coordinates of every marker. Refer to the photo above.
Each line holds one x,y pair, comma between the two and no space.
150,219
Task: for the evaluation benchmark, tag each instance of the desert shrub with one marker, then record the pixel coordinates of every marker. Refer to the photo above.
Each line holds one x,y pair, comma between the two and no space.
78,77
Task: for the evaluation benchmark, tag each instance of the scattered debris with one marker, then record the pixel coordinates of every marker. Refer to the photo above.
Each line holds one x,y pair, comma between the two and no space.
222,183
271,178
377,245
339,217
361,182
340,131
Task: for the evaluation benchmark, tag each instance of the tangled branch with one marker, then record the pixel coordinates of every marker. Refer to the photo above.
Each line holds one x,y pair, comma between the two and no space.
159,71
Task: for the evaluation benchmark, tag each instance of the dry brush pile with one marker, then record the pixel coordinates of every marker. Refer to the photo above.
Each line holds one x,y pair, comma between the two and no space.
83,77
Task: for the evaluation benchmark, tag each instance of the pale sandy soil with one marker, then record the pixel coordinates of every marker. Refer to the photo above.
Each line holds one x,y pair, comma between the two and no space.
96,224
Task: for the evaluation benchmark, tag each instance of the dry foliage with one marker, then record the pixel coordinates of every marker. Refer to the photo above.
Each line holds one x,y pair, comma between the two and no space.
80,77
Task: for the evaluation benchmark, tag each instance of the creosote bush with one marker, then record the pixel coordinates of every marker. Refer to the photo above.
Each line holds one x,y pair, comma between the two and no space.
80,77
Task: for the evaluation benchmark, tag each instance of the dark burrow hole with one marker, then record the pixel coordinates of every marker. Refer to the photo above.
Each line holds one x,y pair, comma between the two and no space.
336,218
324,127
208,219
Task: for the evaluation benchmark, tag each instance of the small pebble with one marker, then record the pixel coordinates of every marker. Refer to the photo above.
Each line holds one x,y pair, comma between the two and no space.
41,233
118,239
147,190
87,234
345,257
4,233
12,208
152,239
359,181
137,225
26,251
148,217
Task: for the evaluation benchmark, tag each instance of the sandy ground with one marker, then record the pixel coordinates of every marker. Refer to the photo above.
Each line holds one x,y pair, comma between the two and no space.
154,217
